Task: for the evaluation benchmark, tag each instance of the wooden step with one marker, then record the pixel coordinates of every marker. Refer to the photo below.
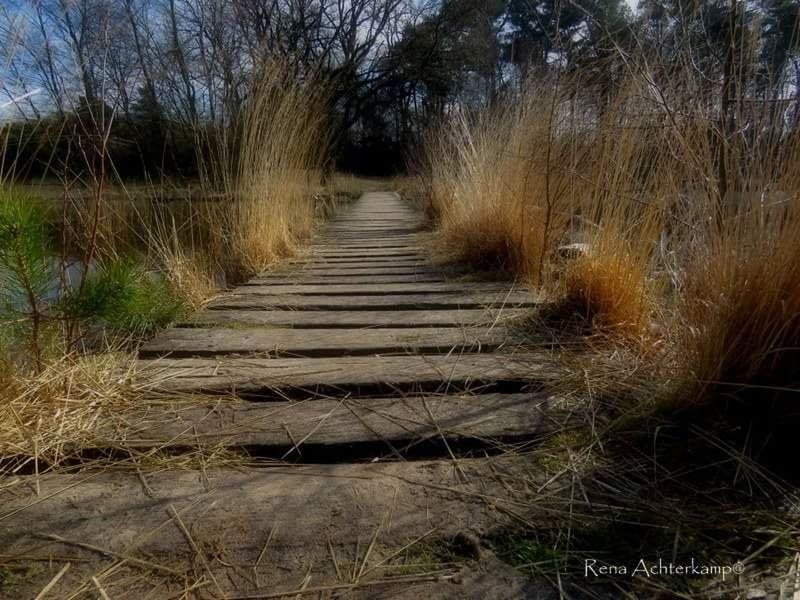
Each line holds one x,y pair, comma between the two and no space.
292,429
371,265
355,318
339,270
378,289
404,226
366,239
325,275
408,229
360,241
182,342
328,279
377,261
368,252
366,248
276,376
258,532
243,300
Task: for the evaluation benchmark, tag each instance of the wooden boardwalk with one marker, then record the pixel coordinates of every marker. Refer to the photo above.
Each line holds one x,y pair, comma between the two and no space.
350,406
361,346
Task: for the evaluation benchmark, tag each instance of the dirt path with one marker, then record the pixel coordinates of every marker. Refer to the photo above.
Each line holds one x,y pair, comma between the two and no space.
378,394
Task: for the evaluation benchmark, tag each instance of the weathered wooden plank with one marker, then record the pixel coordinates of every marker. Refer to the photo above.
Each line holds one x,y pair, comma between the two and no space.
338,271
362,242
308,261
180,342
396,229
294,428
374,224
408,228
410,224
380,235
382,212
281,375
396,255
327,269
356,318
515,299
332,251
334,279
237,510
377,239
349,289
365,247
370,217
367,255
405,229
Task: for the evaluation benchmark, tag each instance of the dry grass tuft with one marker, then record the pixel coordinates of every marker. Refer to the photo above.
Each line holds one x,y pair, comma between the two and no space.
190,266
284,143
740,311
84,413
47,418
508,190
498,188
259,197
610,292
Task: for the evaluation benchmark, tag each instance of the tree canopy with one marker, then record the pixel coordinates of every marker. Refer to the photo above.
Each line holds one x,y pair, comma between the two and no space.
153,71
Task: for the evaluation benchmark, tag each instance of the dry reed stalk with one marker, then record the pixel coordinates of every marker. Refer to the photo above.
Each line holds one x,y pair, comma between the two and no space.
498,186
281,154
46,417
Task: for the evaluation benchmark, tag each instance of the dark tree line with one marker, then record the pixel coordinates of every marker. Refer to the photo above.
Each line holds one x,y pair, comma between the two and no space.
148,75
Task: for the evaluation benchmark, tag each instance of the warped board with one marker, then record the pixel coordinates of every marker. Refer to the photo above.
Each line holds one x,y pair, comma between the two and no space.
333,278
273,375
393,302
321,342
355,318
367,289
293,427
337,269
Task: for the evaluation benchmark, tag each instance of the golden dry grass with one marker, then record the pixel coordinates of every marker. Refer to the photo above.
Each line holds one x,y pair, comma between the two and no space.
610,291
740,308
45,418
508,190
281,155
667,246
257,201
498,190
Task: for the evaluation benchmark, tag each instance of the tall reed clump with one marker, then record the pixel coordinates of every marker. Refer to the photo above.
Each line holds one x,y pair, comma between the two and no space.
738,309
633,179
552,168
499,184
260,173
283,143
